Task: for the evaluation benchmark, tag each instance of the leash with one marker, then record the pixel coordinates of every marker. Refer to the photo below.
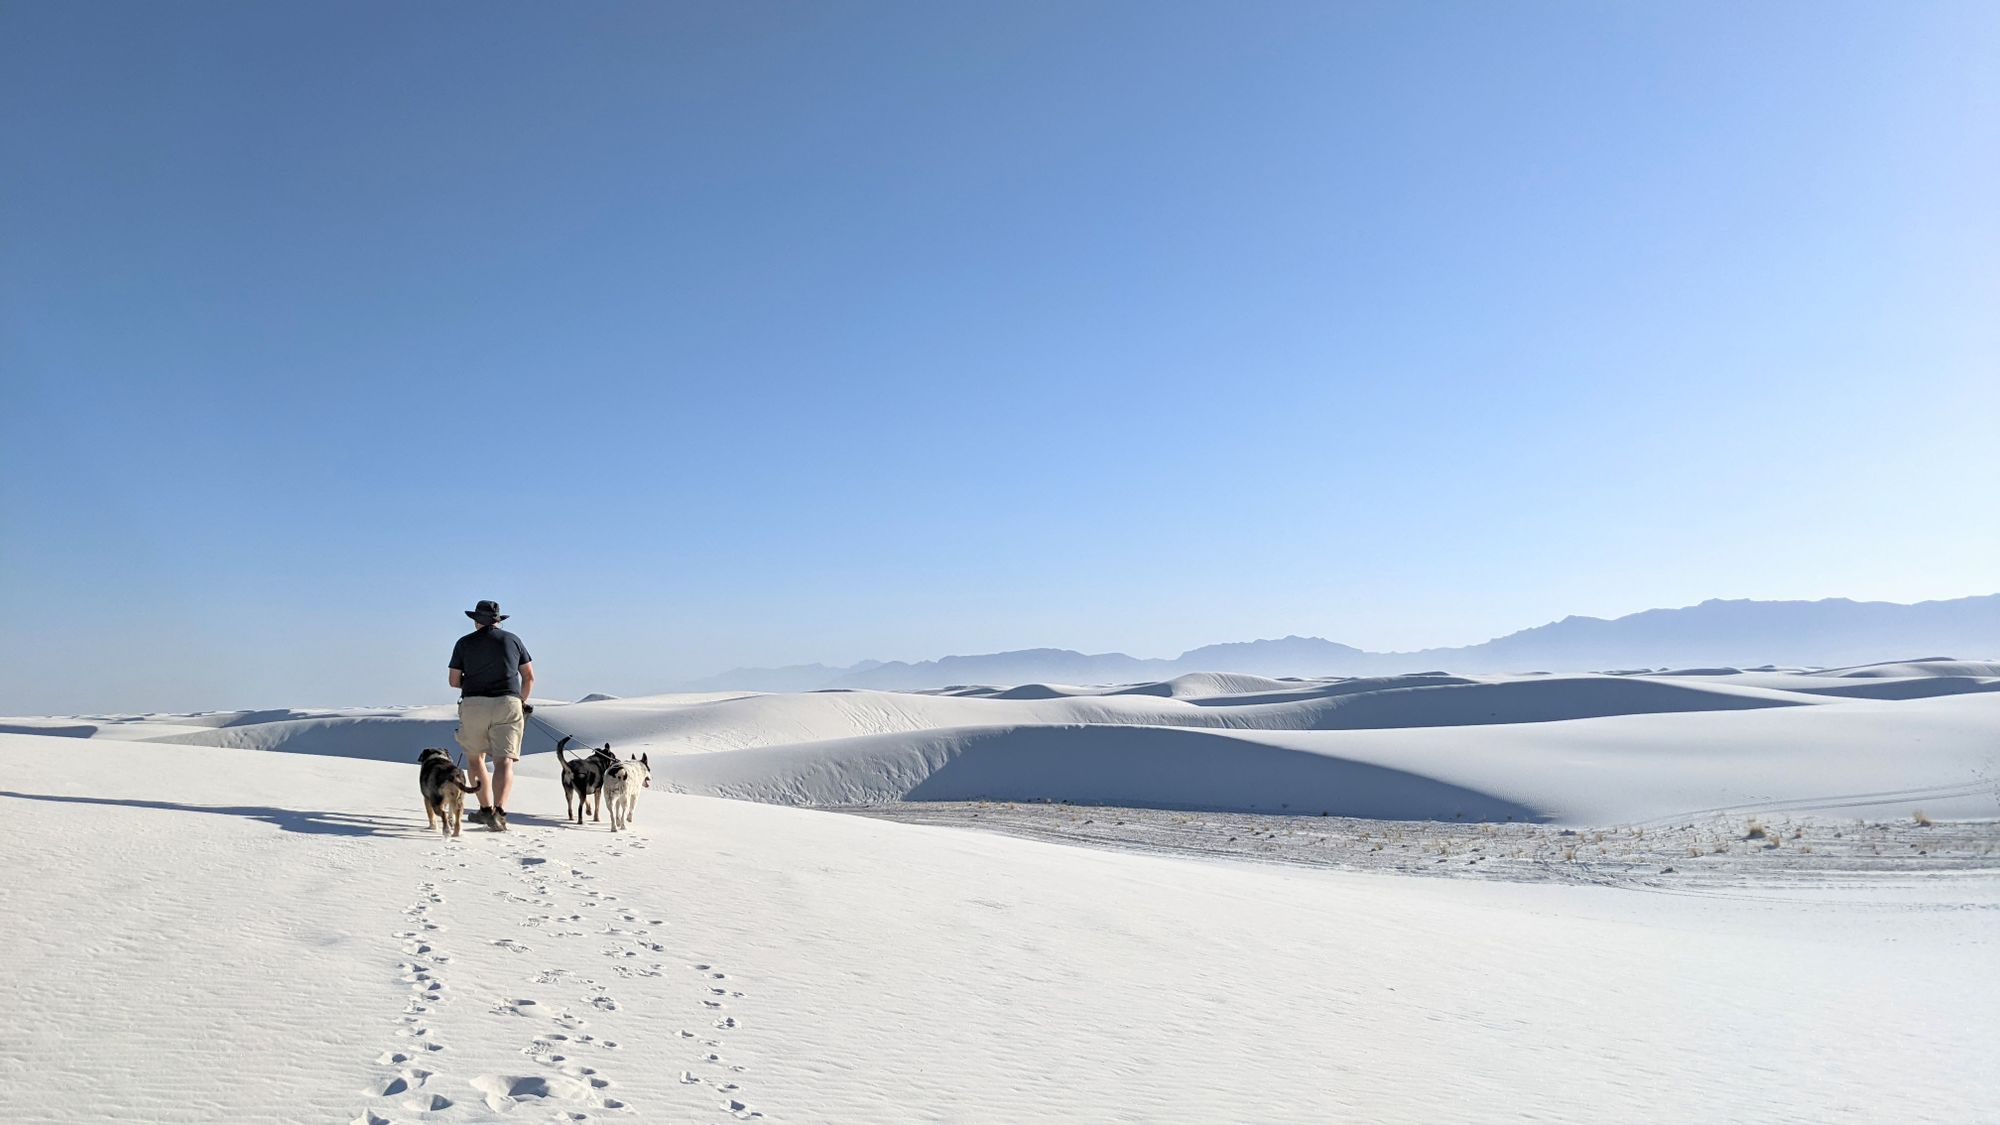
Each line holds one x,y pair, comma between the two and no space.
549,728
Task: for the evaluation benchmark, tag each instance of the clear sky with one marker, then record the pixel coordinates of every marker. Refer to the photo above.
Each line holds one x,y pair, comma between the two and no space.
734,333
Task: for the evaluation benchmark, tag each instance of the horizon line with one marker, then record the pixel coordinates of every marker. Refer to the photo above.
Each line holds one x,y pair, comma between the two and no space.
1358,648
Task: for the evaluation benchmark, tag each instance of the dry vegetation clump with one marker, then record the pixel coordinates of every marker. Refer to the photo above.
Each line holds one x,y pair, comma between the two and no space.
1754,831
1922,820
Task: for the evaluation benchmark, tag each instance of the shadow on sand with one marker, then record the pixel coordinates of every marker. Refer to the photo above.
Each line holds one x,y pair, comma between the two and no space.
52,732
530,819
288,820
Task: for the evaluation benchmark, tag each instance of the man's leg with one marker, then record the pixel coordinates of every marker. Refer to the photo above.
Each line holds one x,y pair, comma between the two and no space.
475,735
481,725
508,726
476,766
505,745
503,780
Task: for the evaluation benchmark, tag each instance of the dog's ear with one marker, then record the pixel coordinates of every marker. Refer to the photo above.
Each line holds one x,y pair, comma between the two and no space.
644,762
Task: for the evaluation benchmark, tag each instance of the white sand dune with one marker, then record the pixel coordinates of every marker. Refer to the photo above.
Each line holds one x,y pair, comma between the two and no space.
1903,669
241,936
1200,685
1600,771
1145,767
703,723
1572,749
245,919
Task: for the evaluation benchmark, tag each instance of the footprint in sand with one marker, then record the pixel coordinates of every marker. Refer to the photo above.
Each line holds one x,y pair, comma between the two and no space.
405,1081
585,1074
503,1092
541,1051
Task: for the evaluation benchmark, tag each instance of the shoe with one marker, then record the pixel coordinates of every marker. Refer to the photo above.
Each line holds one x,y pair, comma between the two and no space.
499,821
483,816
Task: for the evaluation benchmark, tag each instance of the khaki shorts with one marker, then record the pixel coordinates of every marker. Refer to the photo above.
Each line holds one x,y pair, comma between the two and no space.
491,725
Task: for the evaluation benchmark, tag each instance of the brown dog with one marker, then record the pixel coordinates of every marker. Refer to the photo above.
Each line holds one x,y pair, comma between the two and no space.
444,787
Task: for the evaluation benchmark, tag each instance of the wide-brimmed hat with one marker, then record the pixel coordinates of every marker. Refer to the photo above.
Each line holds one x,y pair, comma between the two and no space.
486,613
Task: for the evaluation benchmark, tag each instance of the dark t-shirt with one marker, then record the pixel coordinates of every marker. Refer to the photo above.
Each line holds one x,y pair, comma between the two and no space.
490,661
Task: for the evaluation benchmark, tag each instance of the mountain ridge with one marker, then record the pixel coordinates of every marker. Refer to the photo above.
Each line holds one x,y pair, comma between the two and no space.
1826,632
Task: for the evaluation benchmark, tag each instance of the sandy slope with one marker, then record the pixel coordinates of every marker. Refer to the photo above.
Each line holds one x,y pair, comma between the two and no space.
239,917
226,935
1934,754
1585,749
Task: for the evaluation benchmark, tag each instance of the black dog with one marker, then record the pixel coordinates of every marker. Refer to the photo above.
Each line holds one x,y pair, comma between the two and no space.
583,780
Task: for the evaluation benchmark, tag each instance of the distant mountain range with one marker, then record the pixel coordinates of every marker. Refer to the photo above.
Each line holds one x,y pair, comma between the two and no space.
1740,633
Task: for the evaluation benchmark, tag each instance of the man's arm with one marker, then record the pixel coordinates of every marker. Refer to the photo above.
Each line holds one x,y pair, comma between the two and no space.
527,679
455,678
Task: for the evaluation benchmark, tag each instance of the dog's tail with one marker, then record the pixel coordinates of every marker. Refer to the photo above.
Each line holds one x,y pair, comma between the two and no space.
468,786
559,753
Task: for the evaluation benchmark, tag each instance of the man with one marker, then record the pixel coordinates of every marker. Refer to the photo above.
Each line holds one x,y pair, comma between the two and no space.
494,675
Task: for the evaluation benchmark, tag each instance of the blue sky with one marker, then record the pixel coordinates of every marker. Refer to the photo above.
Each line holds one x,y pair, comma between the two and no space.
751,333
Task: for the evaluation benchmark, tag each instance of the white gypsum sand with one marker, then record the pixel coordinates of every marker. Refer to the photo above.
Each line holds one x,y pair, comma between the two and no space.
243,918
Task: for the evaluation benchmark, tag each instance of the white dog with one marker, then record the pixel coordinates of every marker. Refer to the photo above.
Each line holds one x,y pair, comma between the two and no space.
622,783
